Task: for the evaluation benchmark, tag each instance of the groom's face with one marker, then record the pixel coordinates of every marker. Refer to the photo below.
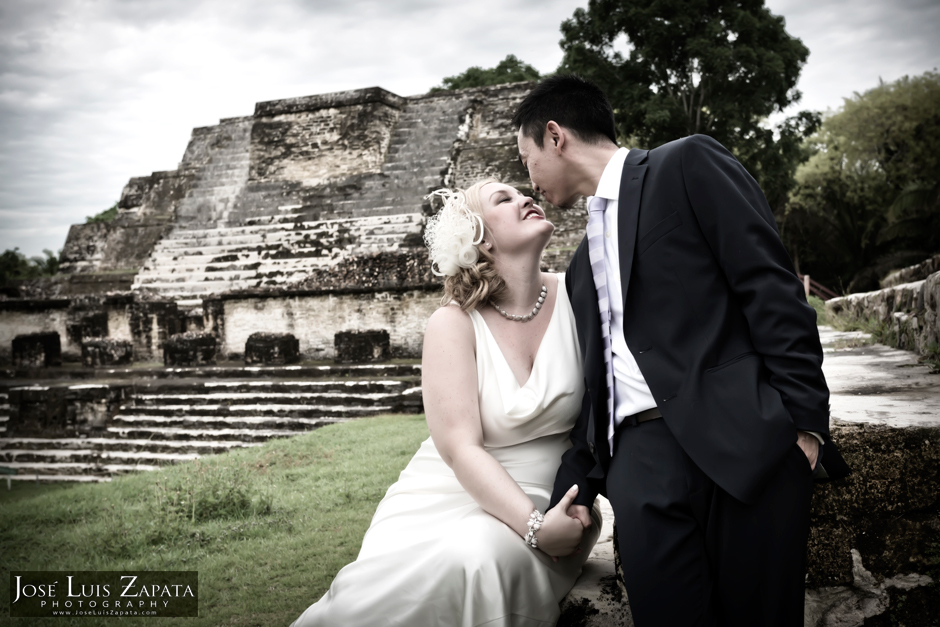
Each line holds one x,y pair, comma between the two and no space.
547,169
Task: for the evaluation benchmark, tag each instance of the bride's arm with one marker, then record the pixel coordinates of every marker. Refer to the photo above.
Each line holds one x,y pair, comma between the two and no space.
449,388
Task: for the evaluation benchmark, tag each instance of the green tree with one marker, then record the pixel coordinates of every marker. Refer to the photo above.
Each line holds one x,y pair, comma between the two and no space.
509,70
14,265
677,67
867,201
48,264
832,222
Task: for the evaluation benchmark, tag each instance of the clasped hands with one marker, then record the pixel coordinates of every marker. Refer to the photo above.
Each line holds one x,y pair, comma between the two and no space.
564,525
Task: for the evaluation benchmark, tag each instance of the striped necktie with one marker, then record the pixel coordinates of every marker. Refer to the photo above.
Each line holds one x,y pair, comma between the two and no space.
595,237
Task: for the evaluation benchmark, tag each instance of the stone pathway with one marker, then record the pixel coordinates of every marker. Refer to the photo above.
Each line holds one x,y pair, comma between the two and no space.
878,384
869,383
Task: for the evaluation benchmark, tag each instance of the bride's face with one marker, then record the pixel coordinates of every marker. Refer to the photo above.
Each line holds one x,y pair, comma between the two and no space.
514,223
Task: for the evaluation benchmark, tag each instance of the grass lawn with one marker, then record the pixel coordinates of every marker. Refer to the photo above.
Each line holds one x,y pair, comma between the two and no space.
267,528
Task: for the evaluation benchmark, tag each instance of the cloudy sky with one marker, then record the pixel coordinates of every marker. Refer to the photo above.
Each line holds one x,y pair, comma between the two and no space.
93,92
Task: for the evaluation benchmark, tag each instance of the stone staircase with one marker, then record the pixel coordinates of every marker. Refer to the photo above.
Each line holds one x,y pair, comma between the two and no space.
230,237
268,251
420,155
218,157
180,418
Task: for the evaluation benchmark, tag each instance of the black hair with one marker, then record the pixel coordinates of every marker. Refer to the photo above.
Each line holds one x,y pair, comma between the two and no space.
572,102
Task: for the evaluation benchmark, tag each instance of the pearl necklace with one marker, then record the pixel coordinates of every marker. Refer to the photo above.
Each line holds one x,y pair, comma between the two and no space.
528,316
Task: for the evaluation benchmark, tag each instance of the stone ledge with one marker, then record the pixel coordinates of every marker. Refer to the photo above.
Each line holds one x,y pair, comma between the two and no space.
330,100
910,311
913,273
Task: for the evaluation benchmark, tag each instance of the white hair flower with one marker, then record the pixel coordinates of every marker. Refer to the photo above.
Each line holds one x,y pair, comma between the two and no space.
453,234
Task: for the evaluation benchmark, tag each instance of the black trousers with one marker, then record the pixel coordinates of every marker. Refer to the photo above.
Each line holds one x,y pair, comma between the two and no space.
694,555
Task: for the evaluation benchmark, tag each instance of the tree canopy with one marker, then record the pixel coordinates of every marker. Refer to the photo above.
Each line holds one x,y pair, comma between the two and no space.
14,265
868,199
509,70
673,68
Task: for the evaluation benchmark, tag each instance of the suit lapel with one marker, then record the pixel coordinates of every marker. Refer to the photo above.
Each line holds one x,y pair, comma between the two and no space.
631,188
587,318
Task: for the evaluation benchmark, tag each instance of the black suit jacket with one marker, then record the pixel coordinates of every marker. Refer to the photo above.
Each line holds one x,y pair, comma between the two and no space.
714,315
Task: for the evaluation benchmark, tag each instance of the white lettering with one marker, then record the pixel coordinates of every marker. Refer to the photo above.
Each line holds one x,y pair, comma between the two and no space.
133,578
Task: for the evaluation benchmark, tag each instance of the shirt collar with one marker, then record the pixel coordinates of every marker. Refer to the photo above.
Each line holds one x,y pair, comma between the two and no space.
609,185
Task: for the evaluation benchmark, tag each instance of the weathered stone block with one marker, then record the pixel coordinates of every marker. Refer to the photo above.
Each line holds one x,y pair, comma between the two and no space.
888,508
272,349
105,351
37,411
63,411
353,347
37,350
84,325
190,349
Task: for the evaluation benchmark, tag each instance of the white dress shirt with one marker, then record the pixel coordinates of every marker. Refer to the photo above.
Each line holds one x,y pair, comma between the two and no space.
631,392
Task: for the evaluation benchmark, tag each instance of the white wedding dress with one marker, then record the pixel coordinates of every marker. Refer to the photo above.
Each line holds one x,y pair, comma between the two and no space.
432,557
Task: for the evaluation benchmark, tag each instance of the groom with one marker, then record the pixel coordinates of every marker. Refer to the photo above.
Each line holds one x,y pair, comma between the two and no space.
706,413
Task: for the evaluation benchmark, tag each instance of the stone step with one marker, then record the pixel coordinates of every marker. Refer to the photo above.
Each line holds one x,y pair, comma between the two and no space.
387,387
290,232
247,262
191,268
216,191
218,183
224,375
75,468
89,456
126,445
274,248
180,433
293,241
258,398
267,409
215,169
277,222
184,285
231,157
60,478
152,278
206,287
245,423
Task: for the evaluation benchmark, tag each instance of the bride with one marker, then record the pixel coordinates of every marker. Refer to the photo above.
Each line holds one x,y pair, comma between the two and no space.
463,537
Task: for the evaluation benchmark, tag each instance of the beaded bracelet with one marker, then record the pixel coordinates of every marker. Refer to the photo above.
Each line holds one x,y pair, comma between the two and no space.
534,524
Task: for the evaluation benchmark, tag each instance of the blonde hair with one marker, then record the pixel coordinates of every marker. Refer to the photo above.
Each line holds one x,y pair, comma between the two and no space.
480,283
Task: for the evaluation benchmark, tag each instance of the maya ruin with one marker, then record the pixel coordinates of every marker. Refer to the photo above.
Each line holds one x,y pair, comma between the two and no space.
277,281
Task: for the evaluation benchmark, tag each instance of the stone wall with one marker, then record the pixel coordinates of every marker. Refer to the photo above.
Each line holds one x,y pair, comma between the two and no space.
917,272
317,139
315,320
314,316
910,311
23,317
